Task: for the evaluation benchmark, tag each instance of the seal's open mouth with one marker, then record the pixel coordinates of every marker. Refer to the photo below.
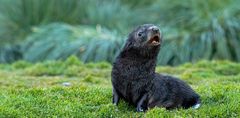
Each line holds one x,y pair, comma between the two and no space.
155,40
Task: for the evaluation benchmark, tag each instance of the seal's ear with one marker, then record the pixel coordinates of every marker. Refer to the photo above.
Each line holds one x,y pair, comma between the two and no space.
128,45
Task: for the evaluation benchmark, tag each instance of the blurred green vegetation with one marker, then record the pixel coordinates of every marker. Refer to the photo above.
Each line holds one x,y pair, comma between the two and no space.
37,30
72,88
62,40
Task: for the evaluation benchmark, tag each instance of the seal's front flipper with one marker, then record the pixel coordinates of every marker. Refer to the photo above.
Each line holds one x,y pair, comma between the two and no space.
140,107
115,98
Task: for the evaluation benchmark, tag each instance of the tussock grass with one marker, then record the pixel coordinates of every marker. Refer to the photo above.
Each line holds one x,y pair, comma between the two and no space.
193,30
59,41
38,90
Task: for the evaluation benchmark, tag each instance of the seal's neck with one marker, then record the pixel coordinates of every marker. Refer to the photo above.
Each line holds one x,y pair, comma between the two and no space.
135,59
140,54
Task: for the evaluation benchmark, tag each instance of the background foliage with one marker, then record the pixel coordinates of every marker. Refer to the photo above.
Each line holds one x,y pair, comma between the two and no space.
62,40
37,30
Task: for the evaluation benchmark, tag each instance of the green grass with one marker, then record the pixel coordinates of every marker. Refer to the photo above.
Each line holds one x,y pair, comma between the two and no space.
37,90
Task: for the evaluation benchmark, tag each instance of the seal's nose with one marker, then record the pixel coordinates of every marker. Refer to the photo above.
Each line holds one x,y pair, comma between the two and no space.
155,29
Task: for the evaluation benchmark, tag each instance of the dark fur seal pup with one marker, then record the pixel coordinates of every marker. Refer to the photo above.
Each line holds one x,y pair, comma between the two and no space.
134,78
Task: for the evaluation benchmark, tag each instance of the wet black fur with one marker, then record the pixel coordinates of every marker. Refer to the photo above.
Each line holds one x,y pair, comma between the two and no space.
134,78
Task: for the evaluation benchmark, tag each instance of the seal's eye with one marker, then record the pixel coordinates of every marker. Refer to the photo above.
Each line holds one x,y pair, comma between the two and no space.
140,34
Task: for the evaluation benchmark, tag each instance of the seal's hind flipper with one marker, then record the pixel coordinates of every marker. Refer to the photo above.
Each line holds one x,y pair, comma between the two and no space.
196,106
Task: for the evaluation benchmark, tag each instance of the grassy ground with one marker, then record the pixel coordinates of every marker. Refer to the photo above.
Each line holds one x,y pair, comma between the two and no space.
72,89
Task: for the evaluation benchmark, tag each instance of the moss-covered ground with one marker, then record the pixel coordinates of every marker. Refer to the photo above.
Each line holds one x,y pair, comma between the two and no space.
73,89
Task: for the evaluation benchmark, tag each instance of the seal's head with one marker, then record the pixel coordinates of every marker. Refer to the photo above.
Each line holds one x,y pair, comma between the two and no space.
145,39
146,35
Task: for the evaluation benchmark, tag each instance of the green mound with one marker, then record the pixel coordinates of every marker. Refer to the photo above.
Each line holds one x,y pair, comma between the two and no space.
73,89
